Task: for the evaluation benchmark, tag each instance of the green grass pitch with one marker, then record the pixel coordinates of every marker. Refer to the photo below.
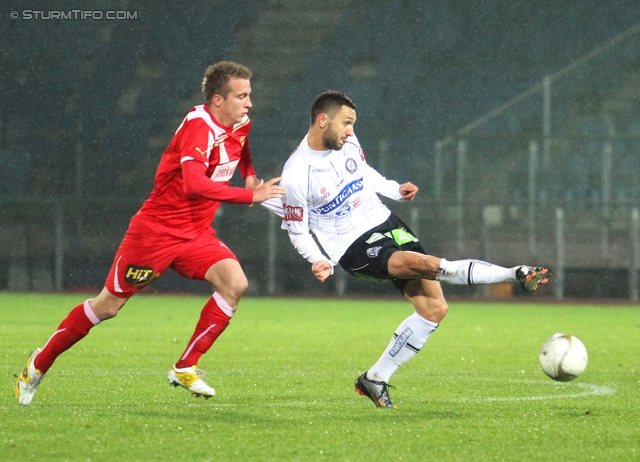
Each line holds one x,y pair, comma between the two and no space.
284,373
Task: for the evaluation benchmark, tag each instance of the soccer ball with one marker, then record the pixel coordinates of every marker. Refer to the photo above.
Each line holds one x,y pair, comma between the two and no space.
563,357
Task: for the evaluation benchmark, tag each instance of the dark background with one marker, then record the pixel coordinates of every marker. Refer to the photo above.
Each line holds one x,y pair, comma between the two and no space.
88,106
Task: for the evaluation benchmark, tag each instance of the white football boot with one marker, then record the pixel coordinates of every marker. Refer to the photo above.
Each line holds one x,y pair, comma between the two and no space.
28,381
191,379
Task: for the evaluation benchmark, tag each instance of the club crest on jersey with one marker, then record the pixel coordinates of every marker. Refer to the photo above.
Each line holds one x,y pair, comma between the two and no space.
350,165
139,276
292,213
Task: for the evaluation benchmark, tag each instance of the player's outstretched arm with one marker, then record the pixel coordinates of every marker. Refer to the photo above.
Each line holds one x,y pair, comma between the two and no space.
268,190
321,270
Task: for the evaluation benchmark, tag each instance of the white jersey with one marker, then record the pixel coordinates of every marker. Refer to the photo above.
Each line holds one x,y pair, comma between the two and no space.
333,194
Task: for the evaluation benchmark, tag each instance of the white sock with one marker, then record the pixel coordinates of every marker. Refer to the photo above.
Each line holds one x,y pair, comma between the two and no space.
408,339
471,272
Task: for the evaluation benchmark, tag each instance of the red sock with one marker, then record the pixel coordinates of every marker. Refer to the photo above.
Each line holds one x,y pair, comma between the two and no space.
213,321
72,329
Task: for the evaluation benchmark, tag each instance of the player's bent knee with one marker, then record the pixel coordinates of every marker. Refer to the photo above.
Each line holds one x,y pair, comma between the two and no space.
112,312
238,286
442,308
436,310
106,305
105,309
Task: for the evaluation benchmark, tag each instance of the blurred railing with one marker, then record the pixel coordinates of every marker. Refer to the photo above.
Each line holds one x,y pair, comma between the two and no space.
66,245
557,165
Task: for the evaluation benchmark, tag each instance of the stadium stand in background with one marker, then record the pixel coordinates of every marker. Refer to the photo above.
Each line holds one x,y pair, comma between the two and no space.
89,106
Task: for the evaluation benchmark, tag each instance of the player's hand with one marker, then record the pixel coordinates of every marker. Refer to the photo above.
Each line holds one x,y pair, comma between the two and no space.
321,270
408,191
268,190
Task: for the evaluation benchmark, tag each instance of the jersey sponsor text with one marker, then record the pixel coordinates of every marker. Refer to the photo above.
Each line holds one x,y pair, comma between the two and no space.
343,195
292,213
224,172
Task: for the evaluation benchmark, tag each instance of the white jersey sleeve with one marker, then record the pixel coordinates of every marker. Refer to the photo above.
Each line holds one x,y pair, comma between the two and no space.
388,188
307,247
274,205
295,209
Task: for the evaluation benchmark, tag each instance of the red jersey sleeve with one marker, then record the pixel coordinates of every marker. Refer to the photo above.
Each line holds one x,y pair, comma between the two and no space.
198,185
246,163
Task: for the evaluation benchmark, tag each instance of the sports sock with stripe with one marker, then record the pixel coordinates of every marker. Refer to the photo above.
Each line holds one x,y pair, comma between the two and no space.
471,272
407,340
214,319
72,329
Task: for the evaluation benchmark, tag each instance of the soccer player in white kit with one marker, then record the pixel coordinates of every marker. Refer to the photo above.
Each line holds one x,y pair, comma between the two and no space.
333,193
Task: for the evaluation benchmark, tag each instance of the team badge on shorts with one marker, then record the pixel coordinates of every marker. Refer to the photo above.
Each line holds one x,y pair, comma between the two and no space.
372,252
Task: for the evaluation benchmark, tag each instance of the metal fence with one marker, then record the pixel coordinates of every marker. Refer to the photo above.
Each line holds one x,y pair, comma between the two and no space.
66,245
561,160
550,177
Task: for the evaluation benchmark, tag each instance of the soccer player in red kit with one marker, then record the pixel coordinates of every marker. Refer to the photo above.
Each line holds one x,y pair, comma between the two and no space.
173,230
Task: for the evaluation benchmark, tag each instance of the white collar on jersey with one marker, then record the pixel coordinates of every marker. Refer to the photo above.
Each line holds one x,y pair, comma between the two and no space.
313,152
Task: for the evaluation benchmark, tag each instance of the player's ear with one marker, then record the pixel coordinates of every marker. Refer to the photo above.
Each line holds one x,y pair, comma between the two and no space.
322,120
216,100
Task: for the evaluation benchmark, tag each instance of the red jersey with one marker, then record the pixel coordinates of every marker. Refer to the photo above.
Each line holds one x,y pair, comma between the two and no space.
200,138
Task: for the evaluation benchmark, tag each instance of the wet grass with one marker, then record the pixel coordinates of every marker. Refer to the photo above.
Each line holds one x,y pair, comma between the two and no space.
284,373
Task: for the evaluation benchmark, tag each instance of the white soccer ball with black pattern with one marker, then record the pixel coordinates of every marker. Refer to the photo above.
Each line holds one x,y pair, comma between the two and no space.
563,357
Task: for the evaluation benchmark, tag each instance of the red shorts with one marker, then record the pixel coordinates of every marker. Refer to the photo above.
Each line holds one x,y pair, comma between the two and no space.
145,254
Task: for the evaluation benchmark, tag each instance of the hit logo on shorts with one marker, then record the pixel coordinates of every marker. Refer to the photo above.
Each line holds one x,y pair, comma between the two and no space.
139,275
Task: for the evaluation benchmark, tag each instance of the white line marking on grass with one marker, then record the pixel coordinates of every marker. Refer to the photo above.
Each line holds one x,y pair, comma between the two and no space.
272,405
589,390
